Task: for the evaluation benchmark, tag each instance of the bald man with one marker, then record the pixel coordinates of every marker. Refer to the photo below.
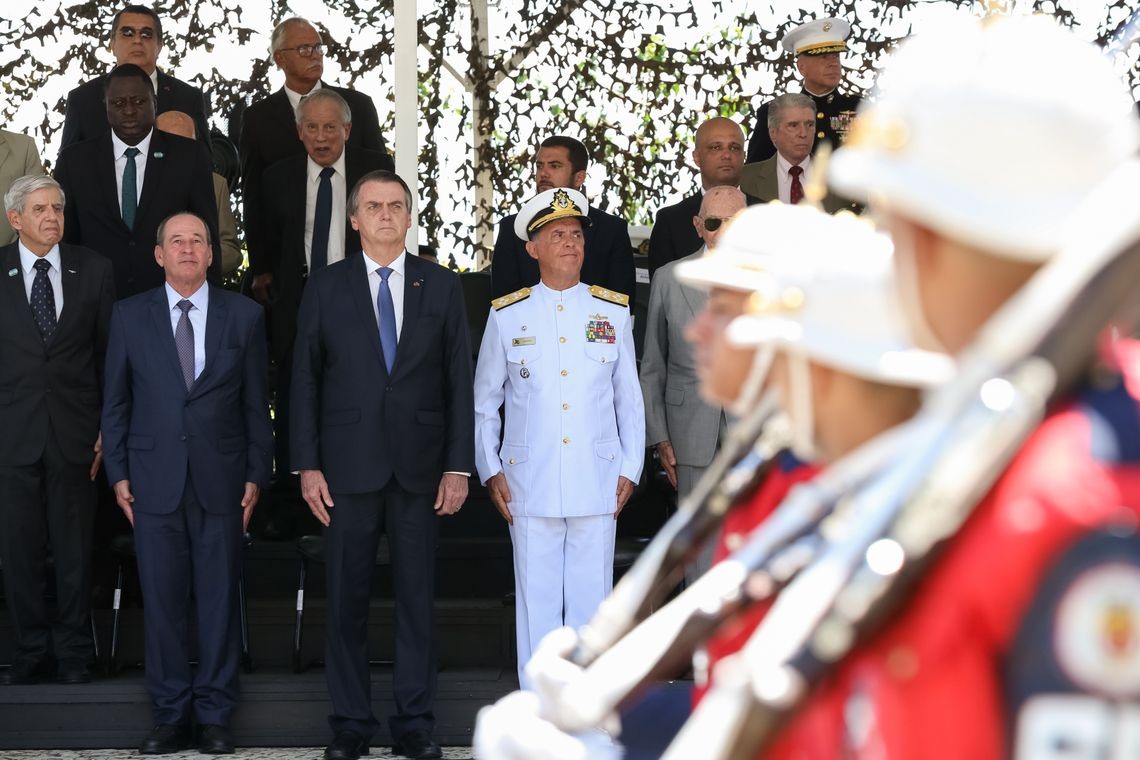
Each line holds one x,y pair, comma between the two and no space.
180,123
718,152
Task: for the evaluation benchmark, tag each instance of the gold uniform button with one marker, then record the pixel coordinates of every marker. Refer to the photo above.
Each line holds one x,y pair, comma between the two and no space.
561,340
511,460
560,307
566,440
565,407
565,373
819,135
819,115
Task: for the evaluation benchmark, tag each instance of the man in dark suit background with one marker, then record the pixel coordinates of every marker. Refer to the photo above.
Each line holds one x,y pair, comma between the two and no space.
188,447
562,162
718,152
383,435
169,174
269,128
54,313
306,228
136,37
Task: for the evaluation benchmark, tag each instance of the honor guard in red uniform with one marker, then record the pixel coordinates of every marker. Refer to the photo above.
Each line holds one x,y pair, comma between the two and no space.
1023,639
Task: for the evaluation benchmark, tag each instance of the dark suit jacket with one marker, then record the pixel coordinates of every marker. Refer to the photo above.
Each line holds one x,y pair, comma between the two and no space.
351,419
283,245
86,114
673,236
156,433
178,178
608,261
759,180
269,134
57,385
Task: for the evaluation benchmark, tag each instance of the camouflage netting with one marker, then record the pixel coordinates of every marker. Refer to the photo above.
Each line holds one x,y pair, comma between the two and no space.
632,78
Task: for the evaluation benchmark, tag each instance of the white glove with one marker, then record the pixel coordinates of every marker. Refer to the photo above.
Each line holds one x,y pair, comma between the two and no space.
511,729
553,677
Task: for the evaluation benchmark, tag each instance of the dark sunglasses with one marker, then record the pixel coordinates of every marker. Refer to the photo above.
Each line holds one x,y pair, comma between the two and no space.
713,223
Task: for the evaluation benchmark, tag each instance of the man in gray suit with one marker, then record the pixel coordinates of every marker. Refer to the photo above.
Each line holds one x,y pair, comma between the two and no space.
678,423
18,158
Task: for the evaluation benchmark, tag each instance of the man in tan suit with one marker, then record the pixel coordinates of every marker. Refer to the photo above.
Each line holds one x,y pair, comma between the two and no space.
18,158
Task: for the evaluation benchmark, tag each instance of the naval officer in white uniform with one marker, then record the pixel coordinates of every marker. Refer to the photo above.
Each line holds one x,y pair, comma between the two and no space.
560,356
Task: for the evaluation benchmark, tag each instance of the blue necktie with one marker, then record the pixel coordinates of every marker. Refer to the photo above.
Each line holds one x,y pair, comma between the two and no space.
43,300
184,342
322,218
387,318
130,189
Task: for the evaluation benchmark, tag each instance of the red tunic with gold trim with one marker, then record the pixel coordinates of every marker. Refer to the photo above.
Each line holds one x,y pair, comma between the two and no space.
933,683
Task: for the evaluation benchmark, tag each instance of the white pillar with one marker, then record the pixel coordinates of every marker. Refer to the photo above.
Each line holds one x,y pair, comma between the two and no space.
407,144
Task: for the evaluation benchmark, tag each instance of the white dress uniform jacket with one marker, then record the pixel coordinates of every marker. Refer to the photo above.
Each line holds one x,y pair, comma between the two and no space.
563,362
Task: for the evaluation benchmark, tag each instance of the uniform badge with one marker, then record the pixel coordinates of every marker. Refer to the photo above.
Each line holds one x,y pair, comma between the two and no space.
524,373
841,123
527,341
600,331
1097,634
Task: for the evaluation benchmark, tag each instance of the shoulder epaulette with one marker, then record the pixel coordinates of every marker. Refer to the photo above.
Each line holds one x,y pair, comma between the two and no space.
510,298
621,299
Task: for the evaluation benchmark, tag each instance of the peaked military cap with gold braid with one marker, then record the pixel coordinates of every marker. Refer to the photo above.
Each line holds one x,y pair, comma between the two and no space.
548,206
818,37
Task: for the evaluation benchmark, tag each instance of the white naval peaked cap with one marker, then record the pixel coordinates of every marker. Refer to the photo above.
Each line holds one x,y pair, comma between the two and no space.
990,132
838,306
824,35
549,205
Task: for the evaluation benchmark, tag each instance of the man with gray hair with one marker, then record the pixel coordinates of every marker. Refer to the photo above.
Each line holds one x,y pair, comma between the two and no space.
268,133
306,227
51,367
791,125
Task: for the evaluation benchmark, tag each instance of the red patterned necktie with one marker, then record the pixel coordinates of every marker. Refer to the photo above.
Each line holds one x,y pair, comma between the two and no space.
797,193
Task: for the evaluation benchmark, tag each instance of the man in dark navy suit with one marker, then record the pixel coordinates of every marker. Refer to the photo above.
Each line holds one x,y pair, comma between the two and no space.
269,130
55,306
562,162
136,37
122,183
383,434
188,446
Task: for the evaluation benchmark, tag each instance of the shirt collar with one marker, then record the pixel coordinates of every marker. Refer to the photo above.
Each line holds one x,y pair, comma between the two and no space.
200,297
396,266
119,147
314,168
28,259
295,97
783,164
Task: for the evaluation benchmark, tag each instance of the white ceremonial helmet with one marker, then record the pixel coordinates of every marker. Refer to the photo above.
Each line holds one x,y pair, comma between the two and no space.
991,133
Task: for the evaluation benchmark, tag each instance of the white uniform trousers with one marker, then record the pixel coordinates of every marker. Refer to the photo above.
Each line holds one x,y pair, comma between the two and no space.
564,568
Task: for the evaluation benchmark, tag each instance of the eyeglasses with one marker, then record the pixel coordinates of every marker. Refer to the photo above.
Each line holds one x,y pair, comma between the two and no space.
713,223
306,51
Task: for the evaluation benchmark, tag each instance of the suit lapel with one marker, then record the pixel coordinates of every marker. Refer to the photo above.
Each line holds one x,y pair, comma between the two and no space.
105,170
768,181
216,316
160,315
152,177
357,275
5,151
69,275
16,296
413,297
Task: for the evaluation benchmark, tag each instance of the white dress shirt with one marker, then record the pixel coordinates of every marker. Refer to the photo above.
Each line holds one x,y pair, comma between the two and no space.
197,316
784,179
120,151
336,224
395,284
27,266
295,97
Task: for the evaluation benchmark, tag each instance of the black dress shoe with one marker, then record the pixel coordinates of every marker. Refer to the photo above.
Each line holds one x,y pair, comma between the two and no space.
165,739
346,745
73,671
417,744
215,740
24,672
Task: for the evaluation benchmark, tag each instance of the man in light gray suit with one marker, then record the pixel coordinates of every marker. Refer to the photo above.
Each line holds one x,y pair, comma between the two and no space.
18,158
683,428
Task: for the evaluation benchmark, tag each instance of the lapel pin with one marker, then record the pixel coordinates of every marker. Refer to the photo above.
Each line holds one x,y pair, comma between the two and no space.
71,271
417,283
157,154
13,272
